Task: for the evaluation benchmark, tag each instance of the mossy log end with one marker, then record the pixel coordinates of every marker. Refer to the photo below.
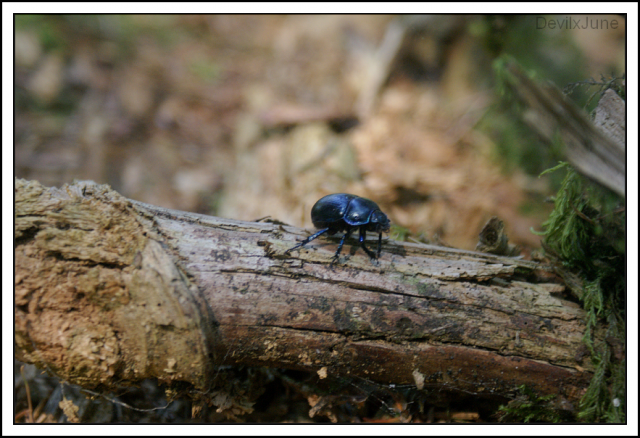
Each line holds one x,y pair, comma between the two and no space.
109,291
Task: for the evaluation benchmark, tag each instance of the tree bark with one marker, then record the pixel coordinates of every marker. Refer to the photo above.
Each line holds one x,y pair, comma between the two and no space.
109,291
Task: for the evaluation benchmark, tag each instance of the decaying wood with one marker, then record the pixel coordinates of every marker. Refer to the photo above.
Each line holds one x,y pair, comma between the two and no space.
109,291
596,149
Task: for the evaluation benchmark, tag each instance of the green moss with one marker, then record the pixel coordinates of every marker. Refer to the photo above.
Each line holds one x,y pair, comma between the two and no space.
585,236
527,407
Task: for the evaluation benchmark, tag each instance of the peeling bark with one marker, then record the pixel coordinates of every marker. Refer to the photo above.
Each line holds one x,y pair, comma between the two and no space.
109,291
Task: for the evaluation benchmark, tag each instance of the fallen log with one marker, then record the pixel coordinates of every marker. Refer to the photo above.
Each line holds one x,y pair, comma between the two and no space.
110,291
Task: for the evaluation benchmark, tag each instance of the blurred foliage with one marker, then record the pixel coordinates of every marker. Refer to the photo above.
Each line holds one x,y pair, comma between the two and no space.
51,33
60,32
550,56
516,147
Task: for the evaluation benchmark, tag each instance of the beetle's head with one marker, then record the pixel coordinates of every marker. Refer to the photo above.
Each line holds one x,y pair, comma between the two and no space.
379,222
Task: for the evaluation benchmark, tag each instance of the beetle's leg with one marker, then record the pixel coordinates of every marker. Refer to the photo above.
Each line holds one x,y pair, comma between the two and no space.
337,254
308,239
363,235
379,244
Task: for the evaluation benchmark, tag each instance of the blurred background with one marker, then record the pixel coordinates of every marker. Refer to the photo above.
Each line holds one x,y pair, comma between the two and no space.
246,116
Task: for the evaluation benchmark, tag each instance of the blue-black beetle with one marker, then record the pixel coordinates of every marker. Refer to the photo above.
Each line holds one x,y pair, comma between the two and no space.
344,212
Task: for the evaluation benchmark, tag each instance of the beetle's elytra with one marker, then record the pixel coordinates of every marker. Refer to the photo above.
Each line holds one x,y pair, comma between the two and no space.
345,212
